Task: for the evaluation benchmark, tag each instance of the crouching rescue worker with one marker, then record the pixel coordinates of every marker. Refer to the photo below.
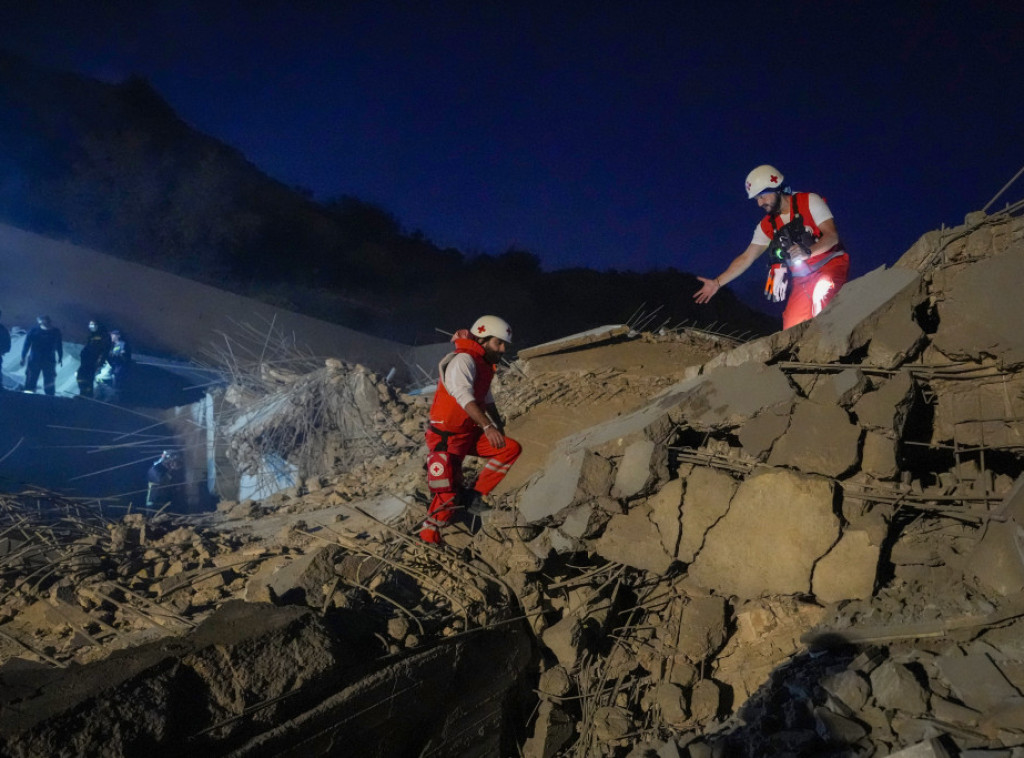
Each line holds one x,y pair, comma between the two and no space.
800,234
464,421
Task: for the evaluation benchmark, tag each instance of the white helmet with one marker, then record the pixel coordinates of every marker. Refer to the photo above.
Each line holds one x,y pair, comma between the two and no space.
763,178
492,326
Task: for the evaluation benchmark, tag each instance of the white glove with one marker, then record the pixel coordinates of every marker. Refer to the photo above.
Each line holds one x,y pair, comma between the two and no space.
779,285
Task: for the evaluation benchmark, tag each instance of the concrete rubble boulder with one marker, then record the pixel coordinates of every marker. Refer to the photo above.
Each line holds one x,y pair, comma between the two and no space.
779,524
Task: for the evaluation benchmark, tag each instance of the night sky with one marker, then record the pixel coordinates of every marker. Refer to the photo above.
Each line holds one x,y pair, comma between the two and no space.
597,134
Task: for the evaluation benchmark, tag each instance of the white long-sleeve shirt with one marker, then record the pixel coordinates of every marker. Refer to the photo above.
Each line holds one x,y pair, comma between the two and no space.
459,375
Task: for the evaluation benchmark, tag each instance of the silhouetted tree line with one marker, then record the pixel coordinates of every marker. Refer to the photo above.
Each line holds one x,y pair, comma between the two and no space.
112,167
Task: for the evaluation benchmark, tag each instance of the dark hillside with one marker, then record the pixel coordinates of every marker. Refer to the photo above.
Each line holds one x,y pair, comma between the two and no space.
112,167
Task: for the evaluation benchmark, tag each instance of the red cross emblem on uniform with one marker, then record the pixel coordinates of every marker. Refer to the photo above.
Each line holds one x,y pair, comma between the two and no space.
436,468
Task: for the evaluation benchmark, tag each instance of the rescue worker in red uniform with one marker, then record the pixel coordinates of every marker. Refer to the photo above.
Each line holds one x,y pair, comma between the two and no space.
465,421
801,234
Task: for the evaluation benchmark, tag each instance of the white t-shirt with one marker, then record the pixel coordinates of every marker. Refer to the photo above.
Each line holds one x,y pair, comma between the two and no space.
459,375
819,213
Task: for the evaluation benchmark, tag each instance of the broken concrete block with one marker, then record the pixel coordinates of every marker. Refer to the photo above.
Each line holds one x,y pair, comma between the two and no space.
611,723
981,310
638,468
666,512
705,701
708,493
894,687
562,543
833,728
848,687
976,680
761,432
569,479
729,396
634,540
821,439
849,569
779,524
702,628
1004,721
671,703
555,682
302,579
552,729
583,521
843,388
563,639
761,350
897,336
886,409
879,456
851,319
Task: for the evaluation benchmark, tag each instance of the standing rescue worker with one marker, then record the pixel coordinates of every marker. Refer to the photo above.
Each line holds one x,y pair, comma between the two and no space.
119,358
93,356
44,351
804,245
465,421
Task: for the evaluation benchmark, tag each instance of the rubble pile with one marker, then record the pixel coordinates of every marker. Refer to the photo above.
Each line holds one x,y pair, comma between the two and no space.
854,476
804,545
330,419
254,614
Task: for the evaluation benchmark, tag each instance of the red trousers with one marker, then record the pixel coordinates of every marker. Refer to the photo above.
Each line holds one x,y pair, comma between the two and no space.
809,294
499,461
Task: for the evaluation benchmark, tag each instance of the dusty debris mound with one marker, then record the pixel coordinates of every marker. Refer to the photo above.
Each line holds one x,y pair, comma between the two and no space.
327,420
267,621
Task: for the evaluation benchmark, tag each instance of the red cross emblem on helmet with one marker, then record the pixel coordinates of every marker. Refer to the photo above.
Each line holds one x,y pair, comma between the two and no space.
774,179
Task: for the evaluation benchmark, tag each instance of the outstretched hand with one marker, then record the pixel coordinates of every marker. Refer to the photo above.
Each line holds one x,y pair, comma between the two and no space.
707,291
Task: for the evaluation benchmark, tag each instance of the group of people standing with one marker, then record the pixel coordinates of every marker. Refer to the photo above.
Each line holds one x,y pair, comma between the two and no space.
104,348
42,352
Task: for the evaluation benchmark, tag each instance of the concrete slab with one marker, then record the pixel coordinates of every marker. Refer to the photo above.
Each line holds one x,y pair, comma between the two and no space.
981,309
849,321
976,680
573,341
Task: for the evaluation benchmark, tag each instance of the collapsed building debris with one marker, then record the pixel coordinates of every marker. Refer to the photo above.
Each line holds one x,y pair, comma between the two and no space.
801,545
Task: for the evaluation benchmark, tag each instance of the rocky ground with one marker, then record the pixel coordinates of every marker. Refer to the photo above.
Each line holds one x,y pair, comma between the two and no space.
805,545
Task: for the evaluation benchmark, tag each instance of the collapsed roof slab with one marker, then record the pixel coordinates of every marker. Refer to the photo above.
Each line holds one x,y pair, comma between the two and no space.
722,398
852,318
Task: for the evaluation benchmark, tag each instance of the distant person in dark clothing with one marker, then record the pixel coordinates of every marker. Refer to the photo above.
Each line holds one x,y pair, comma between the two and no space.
42,352
5,347
165,478
94,355
120,360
